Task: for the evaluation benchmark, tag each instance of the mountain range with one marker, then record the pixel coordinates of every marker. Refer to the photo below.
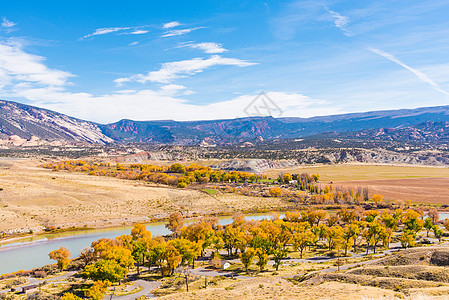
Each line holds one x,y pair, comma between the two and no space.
426,124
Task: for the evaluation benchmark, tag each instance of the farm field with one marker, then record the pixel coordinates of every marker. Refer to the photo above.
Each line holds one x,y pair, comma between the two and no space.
418,190
427,185
348,172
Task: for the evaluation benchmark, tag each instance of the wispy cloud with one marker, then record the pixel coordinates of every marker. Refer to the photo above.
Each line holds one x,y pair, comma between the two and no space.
139,31
421,76
177,32
179,69
133,43
340,21
102,31
123,30
7,23
207,47
171,25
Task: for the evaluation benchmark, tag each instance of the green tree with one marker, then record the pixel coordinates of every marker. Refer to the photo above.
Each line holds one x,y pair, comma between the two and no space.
302,239
188,250
437,232
373,234
247,258
349,232
102,270
262,259
278,254
411,220
428,225
407,238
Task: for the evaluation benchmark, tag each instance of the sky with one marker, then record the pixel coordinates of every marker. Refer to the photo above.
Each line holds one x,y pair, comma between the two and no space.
104,61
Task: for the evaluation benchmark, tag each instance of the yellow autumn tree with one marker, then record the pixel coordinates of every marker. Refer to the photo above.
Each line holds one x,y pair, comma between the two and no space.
62,257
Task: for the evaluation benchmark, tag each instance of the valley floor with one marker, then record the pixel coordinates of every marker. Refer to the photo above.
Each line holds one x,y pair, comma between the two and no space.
33,197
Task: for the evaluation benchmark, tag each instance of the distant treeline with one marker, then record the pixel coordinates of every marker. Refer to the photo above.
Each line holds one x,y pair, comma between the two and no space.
176,174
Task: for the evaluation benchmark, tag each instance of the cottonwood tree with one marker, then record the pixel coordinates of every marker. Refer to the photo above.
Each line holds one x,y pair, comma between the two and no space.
438,232
349,232
428,225
175,223
434,214
97,290
247,258
103,270
377,199
62,257
301,240
278,254
407,238
70,296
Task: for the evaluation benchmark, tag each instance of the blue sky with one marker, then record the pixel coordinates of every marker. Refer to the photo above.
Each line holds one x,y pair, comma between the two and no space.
191,60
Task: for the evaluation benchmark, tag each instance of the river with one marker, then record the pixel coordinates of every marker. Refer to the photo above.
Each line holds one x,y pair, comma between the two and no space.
34,253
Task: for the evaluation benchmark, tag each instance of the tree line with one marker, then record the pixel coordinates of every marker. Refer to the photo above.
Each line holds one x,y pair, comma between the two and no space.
109,260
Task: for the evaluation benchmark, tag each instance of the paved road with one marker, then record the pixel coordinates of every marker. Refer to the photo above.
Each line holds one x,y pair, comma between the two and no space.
203,271
147,287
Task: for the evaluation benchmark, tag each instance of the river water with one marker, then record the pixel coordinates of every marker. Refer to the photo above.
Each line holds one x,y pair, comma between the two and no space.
34,253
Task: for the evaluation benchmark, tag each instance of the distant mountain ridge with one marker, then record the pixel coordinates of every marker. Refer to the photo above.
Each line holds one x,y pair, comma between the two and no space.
426,124
27,121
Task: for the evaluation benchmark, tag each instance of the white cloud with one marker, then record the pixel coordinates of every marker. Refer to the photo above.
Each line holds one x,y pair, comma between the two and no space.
159,105
19,67
101,31
171,25
25,76
207,47
421,76
178,69
177,32
340,22
139,31
175,89
7,23
133,43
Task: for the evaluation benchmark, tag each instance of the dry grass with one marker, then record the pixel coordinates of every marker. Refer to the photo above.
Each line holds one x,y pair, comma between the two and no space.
33,196
277,288
419,272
